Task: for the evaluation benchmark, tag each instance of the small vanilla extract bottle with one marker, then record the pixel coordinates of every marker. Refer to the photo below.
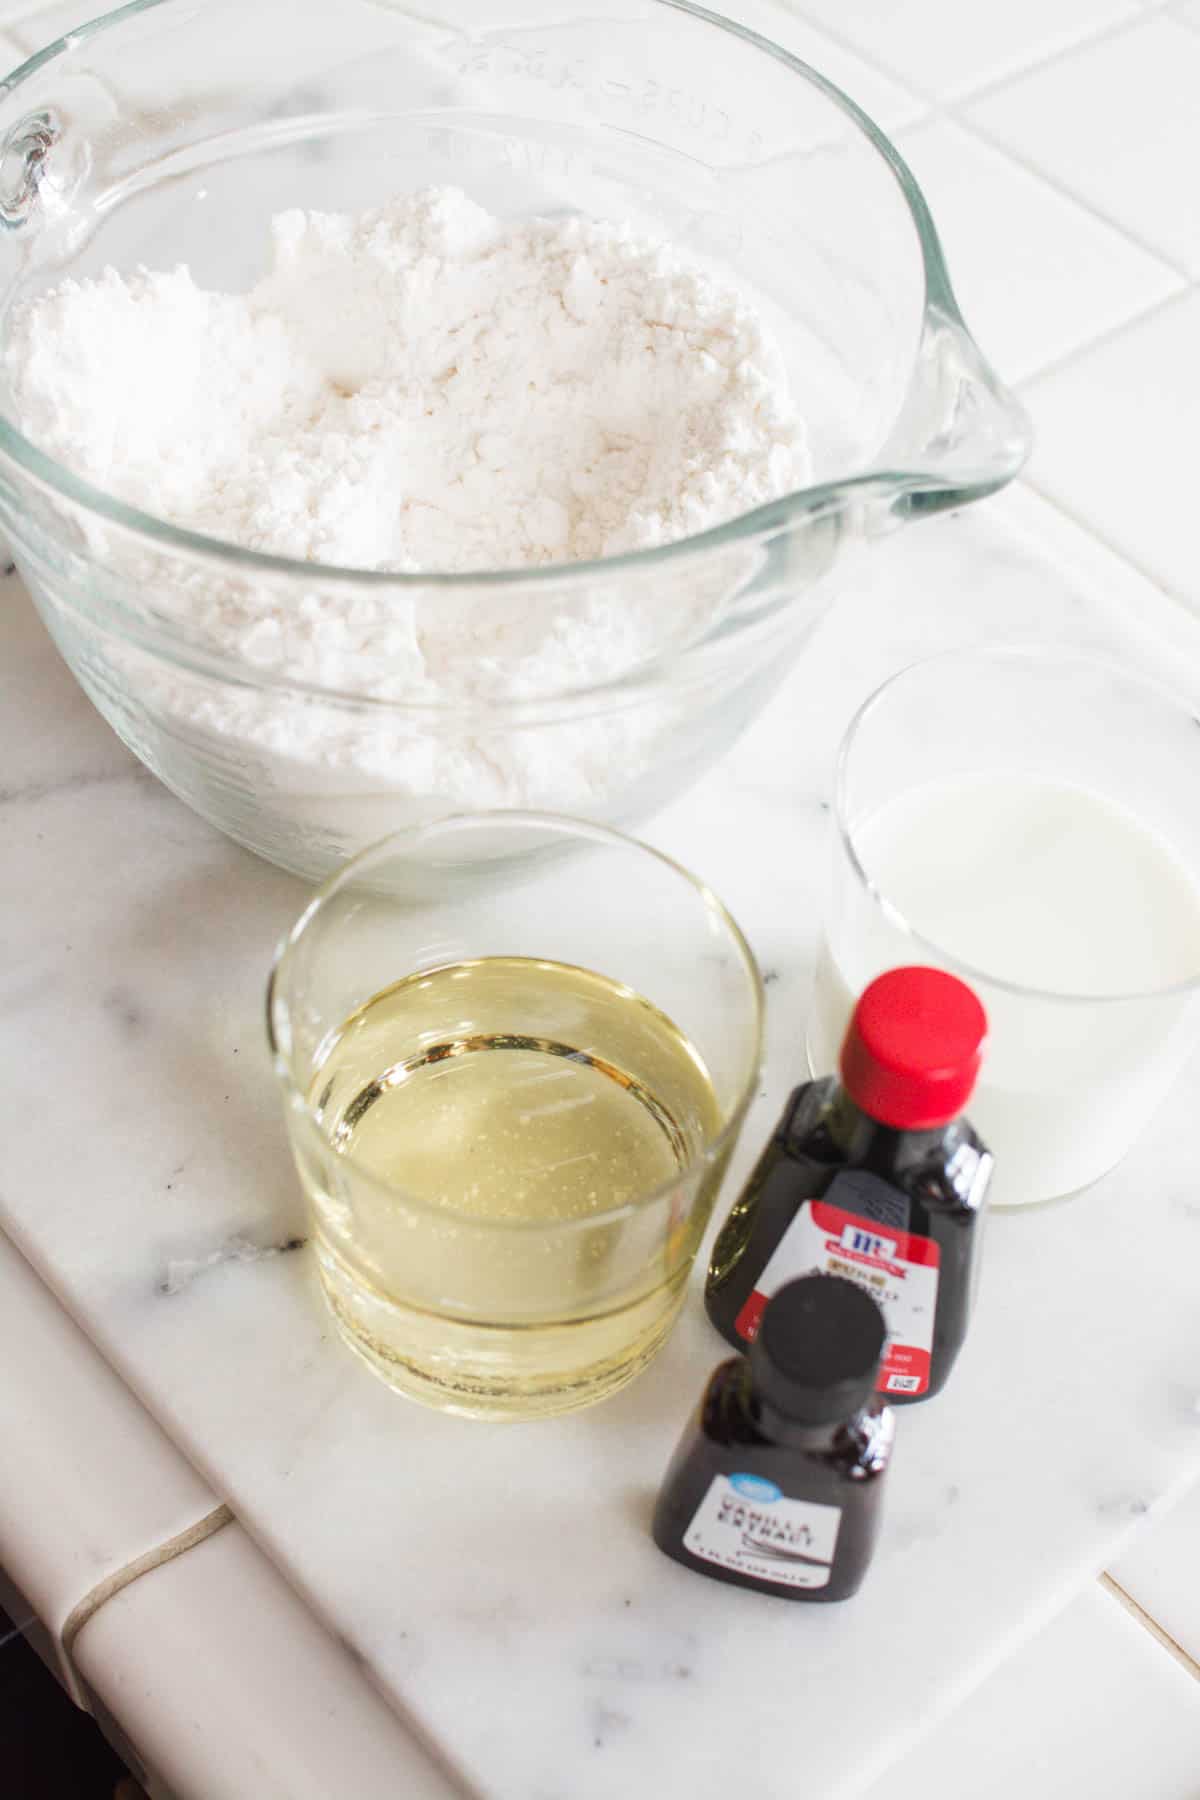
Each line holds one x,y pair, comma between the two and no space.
876,1177
776,1485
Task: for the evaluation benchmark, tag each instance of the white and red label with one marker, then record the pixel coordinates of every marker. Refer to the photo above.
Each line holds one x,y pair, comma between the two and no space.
749,1525
898,1269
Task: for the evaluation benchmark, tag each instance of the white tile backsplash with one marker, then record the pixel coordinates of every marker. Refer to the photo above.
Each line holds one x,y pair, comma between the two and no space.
1118,125
948,47
1090,1709
884,100
1035,274
1161,1572
1116,442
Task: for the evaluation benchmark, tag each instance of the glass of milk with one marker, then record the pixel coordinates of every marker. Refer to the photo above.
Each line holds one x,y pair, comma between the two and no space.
1030,820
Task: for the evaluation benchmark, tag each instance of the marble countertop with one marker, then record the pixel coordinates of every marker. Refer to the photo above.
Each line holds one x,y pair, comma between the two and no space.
135,1582
498,1583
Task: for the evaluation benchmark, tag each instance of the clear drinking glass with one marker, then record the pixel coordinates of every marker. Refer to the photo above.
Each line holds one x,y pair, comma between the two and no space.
512,1078
1027,820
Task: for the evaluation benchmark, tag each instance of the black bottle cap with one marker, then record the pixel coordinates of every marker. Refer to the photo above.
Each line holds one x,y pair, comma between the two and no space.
817,1354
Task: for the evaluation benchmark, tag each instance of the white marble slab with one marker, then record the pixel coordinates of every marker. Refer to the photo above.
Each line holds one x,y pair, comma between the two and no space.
224,1687
1089,1707
499,1581
90,1486
158,1613
1160,1573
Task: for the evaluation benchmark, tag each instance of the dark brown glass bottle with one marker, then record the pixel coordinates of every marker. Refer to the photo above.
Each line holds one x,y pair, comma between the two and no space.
877,1178
776,1484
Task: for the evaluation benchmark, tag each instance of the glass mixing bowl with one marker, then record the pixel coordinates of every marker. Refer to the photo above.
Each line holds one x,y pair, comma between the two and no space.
172,130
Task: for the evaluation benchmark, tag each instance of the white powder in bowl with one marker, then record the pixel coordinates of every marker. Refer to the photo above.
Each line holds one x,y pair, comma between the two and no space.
420,388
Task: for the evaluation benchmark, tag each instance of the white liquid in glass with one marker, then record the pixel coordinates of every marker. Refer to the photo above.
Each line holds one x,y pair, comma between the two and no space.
1050,888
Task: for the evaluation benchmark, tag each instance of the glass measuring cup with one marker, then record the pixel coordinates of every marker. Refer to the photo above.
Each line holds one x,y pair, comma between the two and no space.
512,1092
171,133
1027,819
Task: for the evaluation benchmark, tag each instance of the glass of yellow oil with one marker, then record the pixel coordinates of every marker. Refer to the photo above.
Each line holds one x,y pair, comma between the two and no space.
512,1077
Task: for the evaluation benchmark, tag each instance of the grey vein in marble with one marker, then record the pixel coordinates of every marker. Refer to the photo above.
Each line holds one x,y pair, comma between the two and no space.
182,1271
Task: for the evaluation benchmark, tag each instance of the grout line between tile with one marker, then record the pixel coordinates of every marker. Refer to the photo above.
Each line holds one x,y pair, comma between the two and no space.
951,110
1098,542
1081,348
994,83
1156,1631
864,56
900,79
1142,315
967,123
1186,602
1160,618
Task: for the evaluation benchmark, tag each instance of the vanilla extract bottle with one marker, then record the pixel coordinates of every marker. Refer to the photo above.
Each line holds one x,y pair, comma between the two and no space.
777,1484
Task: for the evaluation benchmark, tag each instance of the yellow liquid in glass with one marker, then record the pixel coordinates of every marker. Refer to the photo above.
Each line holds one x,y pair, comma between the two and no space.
480,1116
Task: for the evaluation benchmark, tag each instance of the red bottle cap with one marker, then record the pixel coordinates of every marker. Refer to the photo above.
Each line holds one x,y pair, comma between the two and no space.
913,1049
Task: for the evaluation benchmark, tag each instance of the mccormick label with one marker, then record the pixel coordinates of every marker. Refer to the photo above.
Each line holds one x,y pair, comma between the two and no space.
897,1268
748,1524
